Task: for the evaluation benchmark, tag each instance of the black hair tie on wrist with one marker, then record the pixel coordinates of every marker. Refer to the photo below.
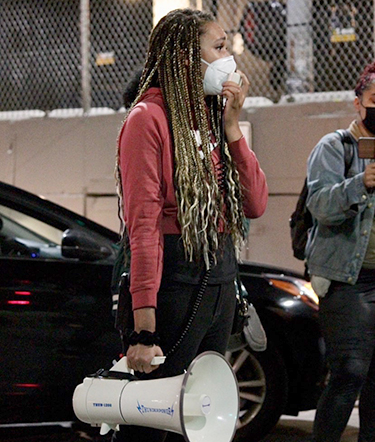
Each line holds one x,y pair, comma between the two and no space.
144,337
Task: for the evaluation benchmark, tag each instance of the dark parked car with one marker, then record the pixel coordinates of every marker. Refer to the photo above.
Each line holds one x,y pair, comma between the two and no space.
56,324
289,376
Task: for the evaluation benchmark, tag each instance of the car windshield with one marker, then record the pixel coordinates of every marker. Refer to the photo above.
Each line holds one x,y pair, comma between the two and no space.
11,228
15,224
26,236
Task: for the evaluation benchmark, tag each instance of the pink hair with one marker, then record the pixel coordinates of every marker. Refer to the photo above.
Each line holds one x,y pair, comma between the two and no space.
367,77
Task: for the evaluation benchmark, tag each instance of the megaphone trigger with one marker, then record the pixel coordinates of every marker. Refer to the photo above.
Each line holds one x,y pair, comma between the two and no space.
105,428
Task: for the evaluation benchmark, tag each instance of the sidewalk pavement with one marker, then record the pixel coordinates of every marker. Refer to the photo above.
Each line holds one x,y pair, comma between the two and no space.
299,428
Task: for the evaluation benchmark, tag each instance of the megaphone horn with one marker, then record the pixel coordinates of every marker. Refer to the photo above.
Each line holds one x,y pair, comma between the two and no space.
201,404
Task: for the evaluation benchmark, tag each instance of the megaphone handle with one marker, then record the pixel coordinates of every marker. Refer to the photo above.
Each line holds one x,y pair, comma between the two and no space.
157,360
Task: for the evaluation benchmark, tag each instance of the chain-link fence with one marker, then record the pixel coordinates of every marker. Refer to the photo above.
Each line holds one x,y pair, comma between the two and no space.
286,47
41,51
300,46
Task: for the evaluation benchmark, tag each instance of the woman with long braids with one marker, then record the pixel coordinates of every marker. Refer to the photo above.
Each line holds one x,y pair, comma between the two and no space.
186,181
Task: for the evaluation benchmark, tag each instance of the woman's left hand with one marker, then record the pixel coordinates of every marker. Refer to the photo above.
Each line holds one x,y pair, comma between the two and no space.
235,96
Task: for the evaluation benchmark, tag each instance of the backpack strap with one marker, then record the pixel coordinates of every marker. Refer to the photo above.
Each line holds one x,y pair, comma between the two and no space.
348,143
345,135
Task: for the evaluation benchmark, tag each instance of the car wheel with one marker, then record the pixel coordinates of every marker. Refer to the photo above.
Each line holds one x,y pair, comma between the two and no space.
263,385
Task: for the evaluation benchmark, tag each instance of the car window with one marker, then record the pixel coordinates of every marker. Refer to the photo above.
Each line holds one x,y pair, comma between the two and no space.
23,235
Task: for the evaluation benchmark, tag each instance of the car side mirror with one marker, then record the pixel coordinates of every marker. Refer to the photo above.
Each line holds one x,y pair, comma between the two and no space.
78,245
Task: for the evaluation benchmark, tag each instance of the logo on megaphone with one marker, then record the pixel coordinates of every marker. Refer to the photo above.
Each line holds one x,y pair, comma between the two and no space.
201,404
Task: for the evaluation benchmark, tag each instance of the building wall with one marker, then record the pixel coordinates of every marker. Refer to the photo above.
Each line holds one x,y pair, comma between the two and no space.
71,162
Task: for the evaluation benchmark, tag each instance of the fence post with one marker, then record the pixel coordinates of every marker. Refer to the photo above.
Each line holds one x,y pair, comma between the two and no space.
85,54
300,47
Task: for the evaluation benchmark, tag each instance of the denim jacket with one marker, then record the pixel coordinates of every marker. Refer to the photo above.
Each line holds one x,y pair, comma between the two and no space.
342,210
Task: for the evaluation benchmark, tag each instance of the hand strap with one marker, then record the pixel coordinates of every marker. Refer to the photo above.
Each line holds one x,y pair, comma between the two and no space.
112,374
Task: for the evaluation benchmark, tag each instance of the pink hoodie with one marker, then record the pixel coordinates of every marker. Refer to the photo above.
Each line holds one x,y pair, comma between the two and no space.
150,208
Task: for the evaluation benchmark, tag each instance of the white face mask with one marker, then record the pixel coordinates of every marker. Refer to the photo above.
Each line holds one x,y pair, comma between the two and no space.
217,73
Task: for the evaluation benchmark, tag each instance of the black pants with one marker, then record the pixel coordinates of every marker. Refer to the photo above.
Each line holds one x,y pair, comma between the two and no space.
210,330
347,316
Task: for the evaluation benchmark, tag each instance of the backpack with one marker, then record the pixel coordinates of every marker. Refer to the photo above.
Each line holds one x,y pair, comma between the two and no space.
301,220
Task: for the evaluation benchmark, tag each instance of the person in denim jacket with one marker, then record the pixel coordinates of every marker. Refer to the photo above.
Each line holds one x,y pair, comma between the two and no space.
341,260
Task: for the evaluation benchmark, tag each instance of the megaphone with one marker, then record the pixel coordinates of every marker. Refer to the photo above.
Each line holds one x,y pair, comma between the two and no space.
201,404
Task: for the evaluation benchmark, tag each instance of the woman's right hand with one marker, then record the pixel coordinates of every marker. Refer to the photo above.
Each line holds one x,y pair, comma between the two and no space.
235,96
139,357
369,175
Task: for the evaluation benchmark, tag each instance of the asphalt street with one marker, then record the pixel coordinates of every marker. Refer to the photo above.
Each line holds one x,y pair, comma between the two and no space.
289,429
299,429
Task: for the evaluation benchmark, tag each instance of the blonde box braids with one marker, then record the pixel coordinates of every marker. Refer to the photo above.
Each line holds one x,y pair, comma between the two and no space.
173,64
